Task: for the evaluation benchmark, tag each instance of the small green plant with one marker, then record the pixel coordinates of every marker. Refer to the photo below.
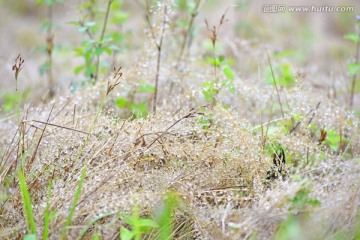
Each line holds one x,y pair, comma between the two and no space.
137,109
333,139
292,227
165,215
11,100
142,226
284,72
94,47
212,88
139,226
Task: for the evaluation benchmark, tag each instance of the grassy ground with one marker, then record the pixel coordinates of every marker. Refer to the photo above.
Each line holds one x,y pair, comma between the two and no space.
251,133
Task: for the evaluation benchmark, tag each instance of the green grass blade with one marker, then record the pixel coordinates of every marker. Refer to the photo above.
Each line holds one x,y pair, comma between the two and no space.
76,199
47,214
165,217
31,227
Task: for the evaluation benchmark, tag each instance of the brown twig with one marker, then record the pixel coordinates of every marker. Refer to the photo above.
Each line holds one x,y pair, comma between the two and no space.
313,111
49,50
56,125
117,135
190,114
40,138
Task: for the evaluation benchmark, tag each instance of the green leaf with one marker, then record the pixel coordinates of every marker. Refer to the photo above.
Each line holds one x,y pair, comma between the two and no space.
117,37
114,48
287,75
107,50
145,87
354,68
221,59
44,68
209,91
140,110
284,54
75,23
95,236
314,202
126,234
99,51
148,223
213,62
30,237
230,85
82,29
290,229
228,72
352,37
120,17
45,26
121,102
78,69
107,39
89,24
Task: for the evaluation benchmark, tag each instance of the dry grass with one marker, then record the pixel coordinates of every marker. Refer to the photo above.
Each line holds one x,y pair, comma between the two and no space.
217,167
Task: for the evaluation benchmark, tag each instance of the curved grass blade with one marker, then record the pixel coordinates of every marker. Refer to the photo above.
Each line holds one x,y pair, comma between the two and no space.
31,226
76,199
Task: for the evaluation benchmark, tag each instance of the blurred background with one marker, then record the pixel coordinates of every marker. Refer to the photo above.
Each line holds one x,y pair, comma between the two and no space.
314,40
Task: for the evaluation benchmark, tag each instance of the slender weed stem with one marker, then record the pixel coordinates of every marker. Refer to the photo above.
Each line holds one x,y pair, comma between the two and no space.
353,82
158,44
100,43
276,88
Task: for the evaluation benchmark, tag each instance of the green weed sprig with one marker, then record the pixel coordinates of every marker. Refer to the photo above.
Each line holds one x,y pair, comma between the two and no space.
17,67
94,47
214,33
